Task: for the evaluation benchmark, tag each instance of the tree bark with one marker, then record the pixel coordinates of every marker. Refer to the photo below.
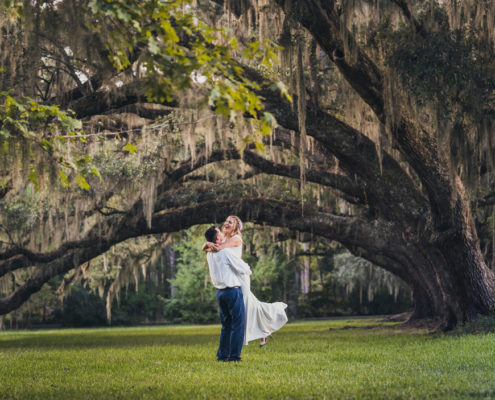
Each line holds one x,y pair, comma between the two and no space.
446,238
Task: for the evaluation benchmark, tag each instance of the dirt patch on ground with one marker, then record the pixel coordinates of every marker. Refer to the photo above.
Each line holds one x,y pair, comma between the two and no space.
483,324
430,325
406,325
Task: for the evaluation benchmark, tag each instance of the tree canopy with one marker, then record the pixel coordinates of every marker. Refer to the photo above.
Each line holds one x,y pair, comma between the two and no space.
368,123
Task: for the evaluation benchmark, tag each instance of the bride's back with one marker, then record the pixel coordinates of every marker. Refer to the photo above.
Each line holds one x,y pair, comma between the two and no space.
237,251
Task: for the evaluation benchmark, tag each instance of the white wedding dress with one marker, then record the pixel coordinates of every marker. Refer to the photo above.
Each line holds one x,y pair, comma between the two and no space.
261,318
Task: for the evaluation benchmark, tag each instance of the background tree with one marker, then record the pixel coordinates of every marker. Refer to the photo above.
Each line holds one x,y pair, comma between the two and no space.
194,300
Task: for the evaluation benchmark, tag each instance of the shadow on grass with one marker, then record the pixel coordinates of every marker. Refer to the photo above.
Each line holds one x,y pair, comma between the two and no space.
108,339
322,334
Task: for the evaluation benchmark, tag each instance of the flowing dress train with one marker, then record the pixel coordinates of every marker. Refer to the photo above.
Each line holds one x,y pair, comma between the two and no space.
261,318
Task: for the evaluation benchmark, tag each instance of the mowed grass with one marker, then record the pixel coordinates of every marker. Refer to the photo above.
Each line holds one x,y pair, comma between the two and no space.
305,360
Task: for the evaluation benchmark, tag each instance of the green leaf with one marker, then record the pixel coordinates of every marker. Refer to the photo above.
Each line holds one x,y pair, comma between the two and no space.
4,133
233,43
81,181
63,179
123,15
222,109
130,148
170,34
46,144
280,86
269,120
260,146
95,172
153,46
214,95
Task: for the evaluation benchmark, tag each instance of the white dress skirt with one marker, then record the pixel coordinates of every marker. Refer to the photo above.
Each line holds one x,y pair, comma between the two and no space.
261,318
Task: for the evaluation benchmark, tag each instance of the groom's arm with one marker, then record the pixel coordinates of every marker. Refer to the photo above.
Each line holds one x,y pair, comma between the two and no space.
238,265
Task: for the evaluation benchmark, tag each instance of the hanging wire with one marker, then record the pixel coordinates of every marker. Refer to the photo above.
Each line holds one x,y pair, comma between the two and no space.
151,128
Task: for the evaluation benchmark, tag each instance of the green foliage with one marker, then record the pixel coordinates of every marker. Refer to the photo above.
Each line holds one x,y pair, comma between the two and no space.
342,284
175,48
26,118
484,324
326,359
270,276
168,46
50,130
141,306
368,288
130,148
22,214
43,308
13,9
266,271
82,308
444,69
448,68
193,298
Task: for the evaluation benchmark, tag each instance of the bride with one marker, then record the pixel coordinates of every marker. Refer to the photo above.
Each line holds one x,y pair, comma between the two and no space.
262,319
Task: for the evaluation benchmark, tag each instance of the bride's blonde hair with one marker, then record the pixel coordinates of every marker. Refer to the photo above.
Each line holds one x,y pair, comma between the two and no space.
237,227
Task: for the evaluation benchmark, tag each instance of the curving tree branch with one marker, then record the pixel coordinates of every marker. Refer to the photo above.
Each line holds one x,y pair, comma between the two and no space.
349,230
420,149
17,257
386,183
415,25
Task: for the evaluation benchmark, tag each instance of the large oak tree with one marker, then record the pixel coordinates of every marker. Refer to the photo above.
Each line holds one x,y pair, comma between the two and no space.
391,116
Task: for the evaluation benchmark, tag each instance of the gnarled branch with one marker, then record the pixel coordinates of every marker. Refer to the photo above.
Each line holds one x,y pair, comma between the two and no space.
349,230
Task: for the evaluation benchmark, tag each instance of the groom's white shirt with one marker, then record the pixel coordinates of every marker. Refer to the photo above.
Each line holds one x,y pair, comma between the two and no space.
224,267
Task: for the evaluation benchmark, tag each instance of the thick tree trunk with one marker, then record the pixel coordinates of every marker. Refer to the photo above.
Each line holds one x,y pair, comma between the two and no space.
450,281
472,291
445,270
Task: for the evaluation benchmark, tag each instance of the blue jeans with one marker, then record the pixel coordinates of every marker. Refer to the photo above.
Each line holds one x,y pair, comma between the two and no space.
232,316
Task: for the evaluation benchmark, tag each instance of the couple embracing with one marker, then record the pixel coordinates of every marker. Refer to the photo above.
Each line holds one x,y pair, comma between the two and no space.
243,316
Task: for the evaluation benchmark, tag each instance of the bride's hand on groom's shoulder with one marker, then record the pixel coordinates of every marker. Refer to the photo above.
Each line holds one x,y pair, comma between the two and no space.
209,246
215,247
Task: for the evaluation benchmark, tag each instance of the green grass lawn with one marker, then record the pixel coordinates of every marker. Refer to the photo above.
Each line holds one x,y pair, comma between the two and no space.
306,360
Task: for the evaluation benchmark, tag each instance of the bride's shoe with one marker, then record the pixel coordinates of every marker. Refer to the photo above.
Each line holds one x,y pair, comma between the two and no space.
265,339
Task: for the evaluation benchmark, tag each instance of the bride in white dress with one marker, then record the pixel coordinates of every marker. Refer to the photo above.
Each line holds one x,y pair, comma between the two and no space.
262,319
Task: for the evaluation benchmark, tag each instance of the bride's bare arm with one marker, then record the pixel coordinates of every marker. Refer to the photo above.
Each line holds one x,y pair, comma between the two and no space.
231,242
208,246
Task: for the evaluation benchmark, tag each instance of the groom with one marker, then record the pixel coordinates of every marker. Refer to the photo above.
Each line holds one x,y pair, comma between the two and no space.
223,269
